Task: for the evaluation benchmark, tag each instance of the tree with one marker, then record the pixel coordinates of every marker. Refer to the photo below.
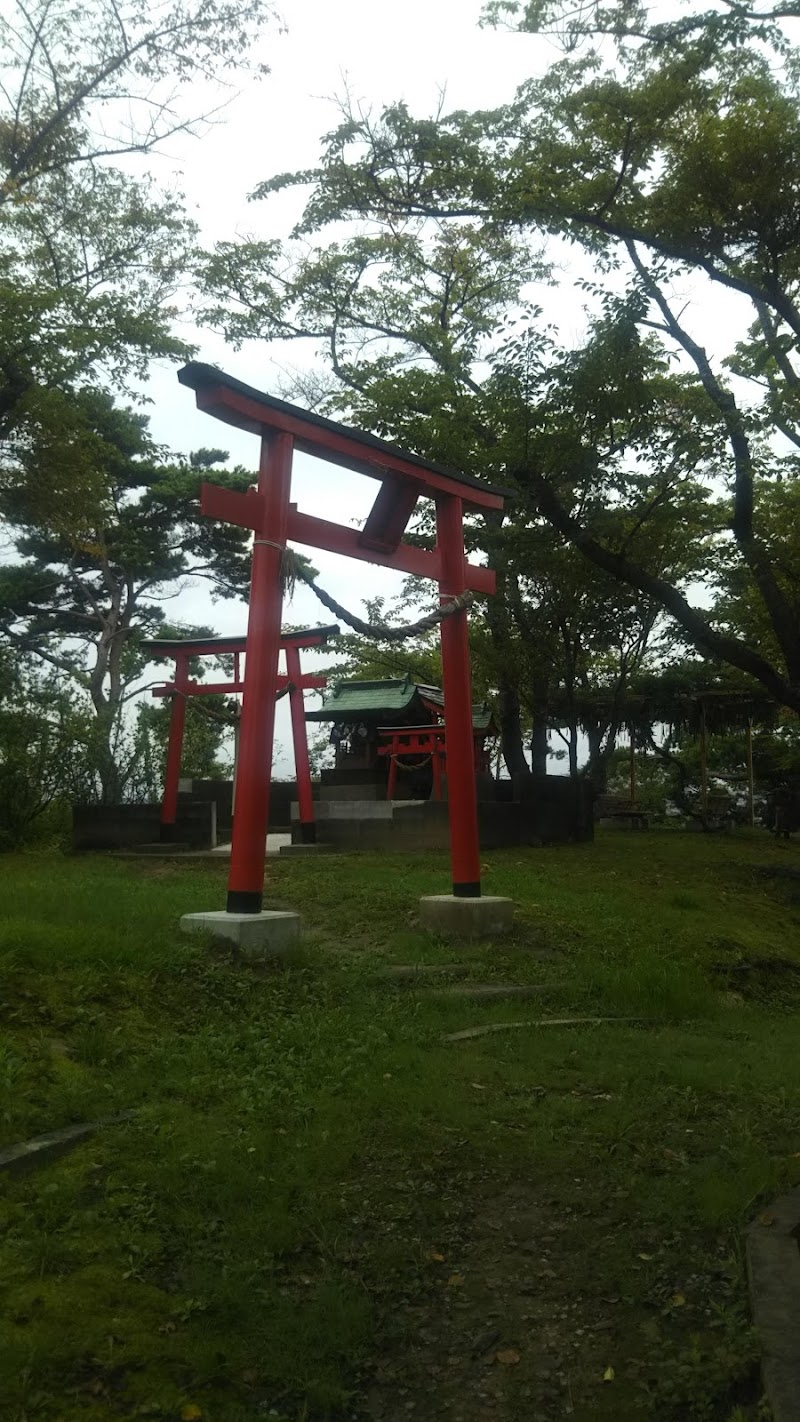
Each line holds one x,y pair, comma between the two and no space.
92,581
45,739
598,409
676,159
91,258
204,734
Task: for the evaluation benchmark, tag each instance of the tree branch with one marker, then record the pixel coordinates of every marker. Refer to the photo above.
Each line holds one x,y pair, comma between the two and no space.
706,638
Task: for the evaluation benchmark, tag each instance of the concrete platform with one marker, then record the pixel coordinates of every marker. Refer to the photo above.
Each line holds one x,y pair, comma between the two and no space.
256,936
451,917
351,808
773,1270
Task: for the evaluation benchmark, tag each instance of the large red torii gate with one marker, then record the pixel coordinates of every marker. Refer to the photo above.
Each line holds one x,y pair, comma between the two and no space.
182,650
267,510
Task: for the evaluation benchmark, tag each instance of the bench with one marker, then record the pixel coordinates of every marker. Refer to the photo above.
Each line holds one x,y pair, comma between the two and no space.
619,812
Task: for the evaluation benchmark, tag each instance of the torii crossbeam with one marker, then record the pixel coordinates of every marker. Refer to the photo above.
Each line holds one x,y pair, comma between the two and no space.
268,511
182,650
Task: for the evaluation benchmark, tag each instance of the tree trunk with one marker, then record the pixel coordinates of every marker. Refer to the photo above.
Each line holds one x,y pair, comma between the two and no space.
573,750
540,746
600,753
539,742
497,623
511,729
105,763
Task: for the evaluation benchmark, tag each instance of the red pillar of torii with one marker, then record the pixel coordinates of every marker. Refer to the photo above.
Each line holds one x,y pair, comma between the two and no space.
267,510
182,650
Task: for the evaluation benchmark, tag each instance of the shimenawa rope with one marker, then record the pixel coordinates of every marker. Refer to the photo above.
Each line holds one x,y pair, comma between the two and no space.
292,569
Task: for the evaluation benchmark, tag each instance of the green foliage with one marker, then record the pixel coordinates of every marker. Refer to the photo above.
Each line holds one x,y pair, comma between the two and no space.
96,563
91,257
661,147
208,719
45,753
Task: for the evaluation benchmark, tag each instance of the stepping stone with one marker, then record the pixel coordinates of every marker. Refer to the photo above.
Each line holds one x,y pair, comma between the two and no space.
42,1149
489,992
470,1032
412,972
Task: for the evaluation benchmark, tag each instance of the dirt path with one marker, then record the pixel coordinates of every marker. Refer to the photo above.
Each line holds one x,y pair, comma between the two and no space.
501,1333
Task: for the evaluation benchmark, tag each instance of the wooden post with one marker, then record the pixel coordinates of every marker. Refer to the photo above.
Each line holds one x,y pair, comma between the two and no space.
750,771
391,783
249,846
633,769
461,786
302,768
172,773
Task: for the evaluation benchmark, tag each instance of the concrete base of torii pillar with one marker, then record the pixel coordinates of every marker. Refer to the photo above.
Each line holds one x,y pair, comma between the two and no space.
256,936
449,916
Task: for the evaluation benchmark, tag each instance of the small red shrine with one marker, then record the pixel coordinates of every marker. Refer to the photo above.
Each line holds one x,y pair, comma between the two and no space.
403,479
394,729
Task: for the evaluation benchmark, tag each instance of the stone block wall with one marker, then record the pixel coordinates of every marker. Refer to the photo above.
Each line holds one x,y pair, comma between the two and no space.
107,827
553,810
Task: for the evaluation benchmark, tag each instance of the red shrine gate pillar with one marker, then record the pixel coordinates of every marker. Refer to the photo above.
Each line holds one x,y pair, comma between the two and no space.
461,785
257,724
177,725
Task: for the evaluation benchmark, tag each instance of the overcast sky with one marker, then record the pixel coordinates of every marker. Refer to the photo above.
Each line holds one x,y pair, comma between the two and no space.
381,52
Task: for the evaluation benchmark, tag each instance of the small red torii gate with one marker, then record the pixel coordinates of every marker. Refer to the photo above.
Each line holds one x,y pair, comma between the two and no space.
182,650
429,742
268,511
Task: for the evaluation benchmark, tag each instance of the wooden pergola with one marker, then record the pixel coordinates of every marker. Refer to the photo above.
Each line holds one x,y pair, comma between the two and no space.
702,712
275,520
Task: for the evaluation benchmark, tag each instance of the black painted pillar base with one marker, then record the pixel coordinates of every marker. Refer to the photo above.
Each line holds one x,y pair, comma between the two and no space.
244,901
467,891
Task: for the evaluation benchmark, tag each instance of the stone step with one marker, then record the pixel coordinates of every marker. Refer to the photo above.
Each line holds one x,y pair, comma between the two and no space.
309,850
162,846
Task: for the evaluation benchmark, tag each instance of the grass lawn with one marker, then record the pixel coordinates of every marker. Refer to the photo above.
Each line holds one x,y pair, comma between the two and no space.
323,1210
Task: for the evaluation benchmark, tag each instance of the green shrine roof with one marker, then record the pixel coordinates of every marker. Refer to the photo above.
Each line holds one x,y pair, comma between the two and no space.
482,715
381,701
374,699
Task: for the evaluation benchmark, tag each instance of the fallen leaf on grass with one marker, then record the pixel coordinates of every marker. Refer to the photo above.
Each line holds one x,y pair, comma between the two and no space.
609,1375
646,1256
191,1413
455,1281
437,1256
507,1356
766,1219
677,1300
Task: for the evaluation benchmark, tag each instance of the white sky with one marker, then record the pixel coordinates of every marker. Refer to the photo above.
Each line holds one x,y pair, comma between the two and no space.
382,52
